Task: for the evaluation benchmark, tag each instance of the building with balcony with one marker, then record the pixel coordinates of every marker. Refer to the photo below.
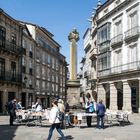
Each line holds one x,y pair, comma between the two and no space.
10,56
50,64
88,73
27,68
118,63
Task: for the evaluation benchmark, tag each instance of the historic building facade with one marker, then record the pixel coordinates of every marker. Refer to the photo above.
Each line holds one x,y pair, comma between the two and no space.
50,73
31,65
88,72
28,68
119,54
10,55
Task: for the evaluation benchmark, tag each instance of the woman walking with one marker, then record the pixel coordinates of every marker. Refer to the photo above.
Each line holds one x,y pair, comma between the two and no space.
54,120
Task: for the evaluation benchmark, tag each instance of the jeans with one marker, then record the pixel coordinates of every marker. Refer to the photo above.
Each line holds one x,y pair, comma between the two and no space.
57,126
100,119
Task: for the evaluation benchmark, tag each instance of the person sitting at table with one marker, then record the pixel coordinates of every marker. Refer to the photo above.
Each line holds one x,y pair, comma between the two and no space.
38,105
19,106
89,109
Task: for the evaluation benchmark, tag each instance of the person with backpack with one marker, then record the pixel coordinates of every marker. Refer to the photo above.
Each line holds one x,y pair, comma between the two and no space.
54,120
89,109
62,112
12,111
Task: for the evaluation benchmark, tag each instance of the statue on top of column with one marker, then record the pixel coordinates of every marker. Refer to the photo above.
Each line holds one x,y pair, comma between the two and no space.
73,35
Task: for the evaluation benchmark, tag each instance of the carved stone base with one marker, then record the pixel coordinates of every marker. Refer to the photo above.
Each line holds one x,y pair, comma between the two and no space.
73,93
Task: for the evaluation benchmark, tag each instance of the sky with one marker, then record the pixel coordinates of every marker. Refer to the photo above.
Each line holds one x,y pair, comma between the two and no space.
57,16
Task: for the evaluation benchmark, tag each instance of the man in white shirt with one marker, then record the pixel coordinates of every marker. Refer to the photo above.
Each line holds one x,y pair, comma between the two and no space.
54,120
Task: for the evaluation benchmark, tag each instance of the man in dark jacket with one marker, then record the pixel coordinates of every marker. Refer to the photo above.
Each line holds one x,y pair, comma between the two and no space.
100,114
11,110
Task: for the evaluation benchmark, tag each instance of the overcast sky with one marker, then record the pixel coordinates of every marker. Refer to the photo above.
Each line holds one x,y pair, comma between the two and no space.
57,16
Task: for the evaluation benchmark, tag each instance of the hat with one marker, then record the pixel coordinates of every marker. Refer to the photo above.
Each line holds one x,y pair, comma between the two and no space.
60,101
14,100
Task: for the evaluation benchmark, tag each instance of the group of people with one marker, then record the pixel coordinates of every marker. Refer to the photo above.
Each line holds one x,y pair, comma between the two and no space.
59,107
15,105
98,108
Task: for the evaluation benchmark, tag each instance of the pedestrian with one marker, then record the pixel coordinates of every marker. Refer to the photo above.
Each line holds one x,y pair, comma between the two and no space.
100,109
89,109
11,110
61,108
54,120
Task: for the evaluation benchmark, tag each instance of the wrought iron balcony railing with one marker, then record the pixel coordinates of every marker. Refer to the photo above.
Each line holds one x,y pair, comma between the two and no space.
133,66
117,40
9,46
134,32
11,78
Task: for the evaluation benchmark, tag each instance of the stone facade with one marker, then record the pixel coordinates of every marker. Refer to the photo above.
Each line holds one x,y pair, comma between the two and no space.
31,65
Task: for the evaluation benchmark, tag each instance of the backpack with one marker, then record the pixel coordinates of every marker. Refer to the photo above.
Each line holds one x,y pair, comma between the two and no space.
91,108
61,116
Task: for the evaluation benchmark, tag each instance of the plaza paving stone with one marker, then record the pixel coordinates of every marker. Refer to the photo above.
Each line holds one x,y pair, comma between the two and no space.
116,132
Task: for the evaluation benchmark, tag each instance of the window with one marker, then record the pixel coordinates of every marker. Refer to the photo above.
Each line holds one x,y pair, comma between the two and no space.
2,68
24,69
49,59
103,33
133,20
37,84
30,71
13,42
104,61
117,58
2,37
13,70
118,28
132,53
43,85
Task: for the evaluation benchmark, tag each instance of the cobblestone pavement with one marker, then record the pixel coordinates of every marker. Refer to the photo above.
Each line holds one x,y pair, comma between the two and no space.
115,132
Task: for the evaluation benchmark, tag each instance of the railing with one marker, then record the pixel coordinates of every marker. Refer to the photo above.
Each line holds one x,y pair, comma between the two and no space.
120,69
9,77
132,32
117,39
104,45
9,46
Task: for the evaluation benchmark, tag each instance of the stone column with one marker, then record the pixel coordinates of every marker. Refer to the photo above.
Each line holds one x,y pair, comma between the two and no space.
113,97
101,94
126,96
73,38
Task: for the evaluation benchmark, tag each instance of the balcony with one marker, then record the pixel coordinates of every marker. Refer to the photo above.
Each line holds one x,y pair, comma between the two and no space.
104,46
117,40
132,33
129,67
93,53
86,73
10,78
10,47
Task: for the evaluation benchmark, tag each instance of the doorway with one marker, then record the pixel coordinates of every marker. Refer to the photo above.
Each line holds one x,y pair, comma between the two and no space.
1,101
23,99
134,99
119,99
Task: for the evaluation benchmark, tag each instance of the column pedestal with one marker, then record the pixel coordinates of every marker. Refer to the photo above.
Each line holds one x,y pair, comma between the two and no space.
73,93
